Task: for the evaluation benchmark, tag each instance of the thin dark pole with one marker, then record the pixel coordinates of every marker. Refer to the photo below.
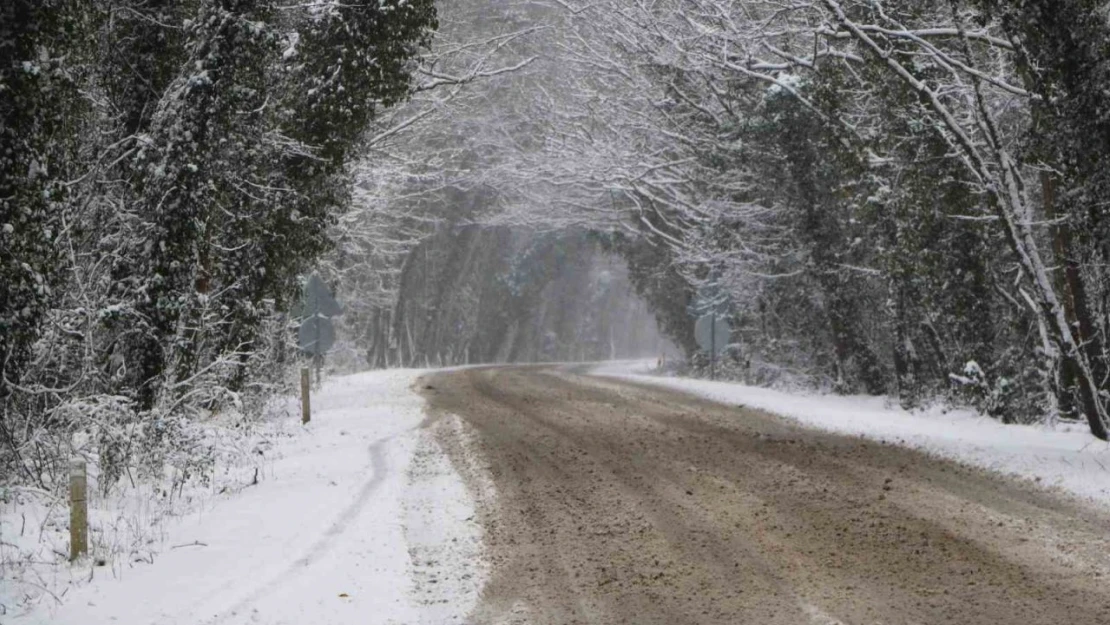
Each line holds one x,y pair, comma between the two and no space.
713,346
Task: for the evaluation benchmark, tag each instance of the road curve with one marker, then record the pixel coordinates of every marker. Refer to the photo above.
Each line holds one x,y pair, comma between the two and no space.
619,503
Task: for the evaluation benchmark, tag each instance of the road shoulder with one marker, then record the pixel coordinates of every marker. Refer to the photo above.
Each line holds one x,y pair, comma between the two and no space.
339,529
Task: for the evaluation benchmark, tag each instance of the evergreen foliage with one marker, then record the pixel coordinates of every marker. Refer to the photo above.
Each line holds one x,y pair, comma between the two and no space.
170,172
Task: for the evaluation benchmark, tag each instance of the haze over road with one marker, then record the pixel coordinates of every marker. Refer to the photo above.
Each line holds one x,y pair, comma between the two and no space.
618,503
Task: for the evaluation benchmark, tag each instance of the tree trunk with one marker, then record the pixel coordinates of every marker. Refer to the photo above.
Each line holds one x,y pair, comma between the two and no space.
1061,246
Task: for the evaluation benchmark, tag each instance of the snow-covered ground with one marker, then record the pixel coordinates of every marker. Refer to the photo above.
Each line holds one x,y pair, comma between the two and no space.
361,519
1064,456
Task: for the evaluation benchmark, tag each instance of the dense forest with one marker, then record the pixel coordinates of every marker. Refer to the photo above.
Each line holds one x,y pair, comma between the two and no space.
897,197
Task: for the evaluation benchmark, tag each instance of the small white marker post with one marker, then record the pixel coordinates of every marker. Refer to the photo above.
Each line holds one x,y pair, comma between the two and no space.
306,408
78,510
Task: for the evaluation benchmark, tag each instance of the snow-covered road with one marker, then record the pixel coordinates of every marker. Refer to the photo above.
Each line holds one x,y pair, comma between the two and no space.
359,520
619,502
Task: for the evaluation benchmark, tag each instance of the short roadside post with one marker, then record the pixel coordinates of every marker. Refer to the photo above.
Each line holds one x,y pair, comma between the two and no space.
78,510
306,402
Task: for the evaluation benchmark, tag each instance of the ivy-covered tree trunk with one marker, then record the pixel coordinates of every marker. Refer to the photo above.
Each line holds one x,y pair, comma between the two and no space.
199,170
35,94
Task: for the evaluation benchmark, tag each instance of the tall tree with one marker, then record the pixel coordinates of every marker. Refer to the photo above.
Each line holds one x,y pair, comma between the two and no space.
39,119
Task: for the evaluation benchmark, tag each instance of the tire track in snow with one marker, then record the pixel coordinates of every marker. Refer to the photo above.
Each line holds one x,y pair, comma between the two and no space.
323,544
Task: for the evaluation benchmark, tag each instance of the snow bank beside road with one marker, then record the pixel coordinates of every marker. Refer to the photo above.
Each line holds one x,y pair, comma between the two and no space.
1065,456
323,537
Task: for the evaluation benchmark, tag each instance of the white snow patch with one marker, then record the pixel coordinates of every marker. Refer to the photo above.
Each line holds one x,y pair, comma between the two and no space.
785,81
1064,456
818,616
325,537
444,537
290,51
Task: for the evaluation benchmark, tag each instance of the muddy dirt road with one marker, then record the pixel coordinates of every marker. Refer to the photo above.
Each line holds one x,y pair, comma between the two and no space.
617,503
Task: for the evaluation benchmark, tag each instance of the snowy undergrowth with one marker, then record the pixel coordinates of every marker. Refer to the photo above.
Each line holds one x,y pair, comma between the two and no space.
128,522
347,520
1065,456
